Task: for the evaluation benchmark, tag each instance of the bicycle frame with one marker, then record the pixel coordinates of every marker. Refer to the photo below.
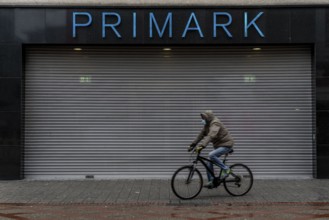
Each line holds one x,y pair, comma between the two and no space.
203,161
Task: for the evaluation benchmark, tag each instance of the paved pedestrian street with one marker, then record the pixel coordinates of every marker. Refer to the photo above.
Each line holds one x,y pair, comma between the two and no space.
279,211
153,199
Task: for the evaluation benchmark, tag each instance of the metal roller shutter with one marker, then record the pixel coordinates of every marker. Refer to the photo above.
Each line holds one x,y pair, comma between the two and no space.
131,112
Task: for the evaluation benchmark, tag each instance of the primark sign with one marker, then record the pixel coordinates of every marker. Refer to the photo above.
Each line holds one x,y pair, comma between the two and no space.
115,25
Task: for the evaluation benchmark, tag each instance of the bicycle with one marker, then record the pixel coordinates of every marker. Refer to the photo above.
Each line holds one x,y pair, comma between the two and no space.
187,181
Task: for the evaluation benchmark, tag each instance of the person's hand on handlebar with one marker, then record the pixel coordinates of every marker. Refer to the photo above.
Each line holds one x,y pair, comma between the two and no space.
191,147
199,148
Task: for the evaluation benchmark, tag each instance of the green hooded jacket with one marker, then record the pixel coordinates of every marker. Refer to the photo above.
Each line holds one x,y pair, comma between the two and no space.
214,131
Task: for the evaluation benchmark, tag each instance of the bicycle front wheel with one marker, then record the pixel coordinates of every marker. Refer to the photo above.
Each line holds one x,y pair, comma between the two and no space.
240,181
186,182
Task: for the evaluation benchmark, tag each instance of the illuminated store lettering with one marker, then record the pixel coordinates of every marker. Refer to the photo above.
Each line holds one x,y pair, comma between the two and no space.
216,25
112,26
188,28
220,24
134,25
75,25
252,23
153,21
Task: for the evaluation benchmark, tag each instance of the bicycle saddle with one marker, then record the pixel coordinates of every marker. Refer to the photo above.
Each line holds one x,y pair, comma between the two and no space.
231,151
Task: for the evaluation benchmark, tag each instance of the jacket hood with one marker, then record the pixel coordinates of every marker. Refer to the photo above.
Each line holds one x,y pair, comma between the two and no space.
208,116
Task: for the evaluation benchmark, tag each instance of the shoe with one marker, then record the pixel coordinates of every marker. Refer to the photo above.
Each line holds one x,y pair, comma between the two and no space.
209,185
226,173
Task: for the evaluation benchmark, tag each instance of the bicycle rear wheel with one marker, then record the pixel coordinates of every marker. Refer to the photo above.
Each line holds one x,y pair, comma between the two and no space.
240,181
186,182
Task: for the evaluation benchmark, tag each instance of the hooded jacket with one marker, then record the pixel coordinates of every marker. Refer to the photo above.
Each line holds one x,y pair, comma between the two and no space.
214,131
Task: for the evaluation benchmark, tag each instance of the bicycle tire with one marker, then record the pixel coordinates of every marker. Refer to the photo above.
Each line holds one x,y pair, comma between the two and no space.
240,174
181,186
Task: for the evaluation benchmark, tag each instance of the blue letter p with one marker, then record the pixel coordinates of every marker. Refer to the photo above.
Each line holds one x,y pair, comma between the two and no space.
75,25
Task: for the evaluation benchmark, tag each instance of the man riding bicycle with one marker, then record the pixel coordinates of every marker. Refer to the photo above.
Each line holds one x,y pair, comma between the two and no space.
213,131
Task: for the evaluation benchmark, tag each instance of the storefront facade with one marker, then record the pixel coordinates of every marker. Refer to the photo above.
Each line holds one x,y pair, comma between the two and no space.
116,92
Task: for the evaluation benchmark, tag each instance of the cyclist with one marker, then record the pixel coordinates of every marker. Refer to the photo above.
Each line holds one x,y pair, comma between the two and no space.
213,131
